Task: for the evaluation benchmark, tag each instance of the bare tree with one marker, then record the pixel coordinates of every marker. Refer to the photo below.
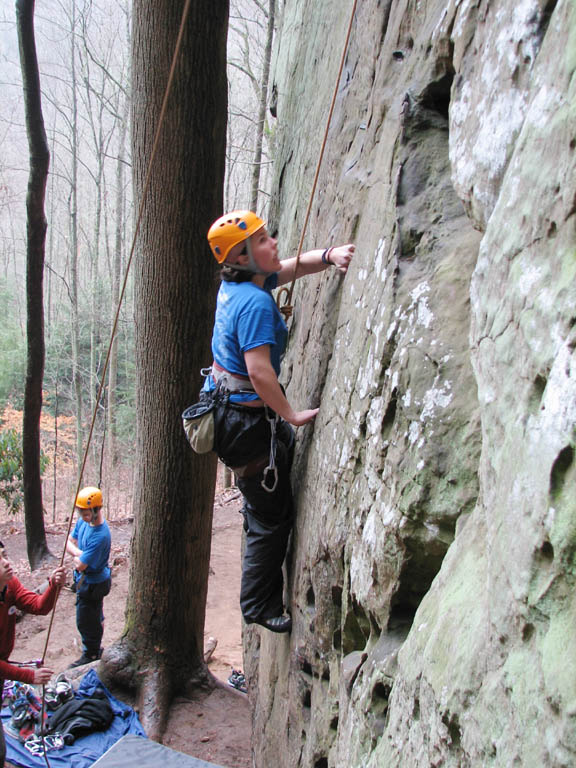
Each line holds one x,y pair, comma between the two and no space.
161,653
256,171
36,239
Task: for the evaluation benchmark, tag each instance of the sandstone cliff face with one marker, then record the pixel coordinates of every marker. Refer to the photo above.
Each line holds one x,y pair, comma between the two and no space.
434,558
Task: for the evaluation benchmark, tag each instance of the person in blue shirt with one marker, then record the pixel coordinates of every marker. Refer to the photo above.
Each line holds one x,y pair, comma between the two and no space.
254,420
89,545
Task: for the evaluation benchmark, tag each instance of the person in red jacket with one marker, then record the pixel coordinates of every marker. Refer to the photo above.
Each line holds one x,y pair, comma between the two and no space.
13,597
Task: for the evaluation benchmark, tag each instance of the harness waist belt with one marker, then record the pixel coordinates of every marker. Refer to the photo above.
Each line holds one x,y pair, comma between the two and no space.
229,381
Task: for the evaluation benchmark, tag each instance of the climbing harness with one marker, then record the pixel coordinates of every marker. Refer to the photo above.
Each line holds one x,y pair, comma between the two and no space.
286,293
198,423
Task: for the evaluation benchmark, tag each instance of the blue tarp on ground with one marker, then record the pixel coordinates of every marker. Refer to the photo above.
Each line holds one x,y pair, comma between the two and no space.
86,749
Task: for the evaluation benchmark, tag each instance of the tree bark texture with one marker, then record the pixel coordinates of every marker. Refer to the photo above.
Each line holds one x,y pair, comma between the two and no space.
175,294
36,238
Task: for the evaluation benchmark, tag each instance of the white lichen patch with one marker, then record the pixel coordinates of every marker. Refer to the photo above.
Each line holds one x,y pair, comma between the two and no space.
378,258
436,397
414,431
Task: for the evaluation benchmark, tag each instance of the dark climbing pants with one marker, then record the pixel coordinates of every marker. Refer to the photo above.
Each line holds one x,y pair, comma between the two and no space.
89,614
243,438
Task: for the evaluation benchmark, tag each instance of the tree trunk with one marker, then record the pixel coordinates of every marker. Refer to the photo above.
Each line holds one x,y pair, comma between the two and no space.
36,238
116,281
76,374
256,170
161,653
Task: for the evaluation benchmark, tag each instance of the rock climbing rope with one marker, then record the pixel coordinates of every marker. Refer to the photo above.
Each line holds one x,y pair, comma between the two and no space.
284,297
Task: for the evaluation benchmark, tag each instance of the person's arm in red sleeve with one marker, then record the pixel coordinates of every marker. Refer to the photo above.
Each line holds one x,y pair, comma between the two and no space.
30,602
30,675
21,674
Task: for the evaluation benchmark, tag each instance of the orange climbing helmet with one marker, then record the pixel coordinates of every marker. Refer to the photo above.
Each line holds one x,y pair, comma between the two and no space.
88,498
231,229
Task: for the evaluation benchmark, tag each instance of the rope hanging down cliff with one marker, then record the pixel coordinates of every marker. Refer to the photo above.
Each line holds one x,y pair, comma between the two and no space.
285,294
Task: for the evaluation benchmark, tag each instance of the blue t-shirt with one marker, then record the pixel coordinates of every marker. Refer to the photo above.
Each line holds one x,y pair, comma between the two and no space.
246,317
94,541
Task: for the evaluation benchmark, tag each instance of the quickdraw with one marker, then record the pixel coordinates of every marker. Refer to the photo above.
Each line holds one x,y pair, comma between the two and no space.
272,420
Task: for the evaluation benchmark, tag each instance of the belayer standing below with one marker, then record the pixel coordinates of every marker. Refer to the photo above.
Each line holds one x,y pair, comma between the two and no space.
253,435
13,598
89,545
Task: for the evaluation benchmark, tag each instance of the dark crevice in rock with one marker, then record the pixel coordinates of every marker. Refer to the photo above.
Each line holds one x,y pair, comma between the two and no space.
436,97
452,724
544,20
357,629
321,762
528,632
546,551
334,723
310,596
379,699
538,387
423,560
337,596
559,471
337,640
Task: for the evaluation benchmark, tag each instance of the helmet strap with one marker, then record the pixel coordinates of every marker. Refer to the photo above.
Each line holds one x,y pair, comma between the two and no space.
251,266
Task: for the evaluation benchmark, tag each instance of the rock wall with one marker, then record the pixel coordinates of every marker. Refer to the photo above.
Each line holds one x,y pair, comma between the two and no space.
432,574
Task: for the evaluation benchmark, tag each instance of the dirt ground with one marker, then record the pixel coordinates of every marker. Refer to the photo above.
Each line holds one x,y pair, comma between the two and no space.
215,728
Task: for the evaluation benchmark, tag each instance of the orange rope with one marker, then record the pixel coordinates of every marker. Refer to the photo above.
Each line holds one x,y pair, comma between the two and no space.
287,307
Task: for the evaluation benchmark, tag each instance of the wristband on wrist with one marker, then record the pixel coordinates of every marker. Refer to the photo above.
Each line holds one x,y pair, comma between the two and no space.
326,256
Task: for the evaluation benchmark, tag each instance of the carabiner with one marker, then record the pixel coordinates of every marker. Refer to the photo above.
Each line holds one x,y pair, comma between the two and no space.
273,469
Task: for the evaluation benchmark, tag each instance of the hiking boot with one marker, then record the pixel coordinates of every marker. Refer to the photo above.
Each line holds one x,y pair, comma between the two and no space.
86,658
276,624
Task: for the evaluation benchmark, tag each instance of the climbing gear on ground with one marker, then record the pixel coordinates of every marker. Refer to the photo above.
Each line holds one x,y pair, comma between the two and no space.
278,624
81,716
231,229
88,498
58,692
237,680
26,709
37,744
287,307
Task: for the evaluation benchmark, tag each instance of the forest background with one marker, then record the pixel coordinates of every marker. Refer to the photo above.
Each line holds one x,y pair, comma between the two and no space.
83,51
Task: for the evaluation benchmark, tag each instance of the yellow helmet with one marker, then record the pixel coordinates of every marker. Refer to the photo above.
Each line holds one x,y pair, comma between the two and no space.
88,498
231,229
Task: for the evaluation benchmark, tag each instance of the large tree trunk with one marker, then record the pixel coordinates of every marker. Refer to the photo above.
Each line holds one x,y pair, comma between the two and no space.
161,653
74,279
36,238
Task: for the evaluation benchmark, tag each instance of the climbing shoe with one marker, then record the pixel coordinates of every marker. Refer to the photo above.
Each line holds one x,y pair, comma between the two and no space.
276,624
86,658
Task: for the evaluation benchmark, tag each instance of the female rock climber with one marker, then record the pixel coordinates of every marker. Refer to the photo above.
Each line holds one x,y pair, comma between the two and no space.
253,435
